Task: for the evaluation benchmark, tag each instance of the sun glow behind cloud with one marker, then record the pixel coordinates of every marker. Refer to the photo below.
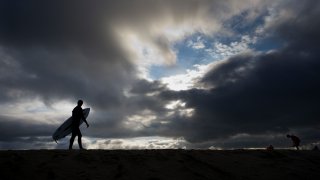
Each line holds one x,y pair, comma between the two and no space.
144,53
140,121
187,80
179,107
35,111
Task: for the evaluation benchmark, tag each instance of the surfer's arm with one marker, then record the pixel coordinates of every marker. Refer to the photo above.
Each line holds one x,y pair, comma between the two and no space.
84,119
86,122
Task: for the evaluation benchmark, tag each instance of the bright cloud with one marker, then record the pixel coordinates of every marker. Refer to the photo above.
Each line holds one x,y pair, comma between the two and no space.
222,51
139,121
186,81
199,43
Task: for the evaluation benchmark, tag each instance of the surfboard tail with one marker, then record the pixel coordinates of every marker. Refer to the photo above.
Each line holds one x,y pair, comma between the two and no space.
55,139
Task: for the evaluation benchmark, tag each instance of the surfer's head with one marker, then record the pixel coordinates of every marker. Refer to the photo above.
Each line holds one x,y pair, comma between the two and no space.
80,102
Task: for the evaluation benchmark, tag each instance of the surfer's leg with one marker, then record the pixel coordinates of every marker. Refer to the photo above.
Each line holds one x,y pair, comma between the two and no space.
71,141
79,139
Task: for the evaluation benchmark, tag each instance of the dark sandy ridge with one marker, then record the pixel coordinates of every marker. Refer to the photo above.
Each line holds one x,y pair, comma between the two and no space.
159,164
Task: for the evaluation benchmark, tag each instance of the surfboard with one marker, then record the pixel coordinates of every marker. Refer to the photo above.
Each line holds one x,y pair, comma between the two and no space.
66,128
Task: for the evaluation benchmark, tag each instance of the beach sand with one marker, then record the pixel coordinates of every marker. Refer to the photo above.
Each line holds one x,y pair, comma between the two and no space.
159,164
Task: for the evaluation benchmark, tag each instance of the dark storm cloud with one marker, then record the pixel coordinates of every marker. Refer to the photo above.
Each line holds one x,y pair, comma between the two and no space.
13,128
56,23
278,93
62,50
261,93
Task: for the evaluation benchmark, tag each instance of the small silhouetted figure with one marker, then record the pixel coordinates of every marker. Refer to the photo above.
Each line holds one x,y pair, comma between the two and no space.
295,141
77,115
315,148
270,148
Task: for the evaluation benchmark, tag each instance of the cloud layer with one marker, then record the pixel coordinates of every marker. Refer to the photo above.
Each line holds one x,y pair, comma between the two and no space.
102,51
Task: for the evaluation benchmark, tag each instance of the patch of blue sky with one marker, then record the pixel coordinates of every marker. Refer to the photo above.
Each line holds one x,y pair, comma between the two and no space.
187,56
240,25
244,24
269,43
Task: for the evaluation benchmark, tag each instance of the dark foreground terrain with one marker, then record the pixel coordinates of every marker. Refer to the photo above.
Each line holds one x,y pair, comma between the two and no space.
159,164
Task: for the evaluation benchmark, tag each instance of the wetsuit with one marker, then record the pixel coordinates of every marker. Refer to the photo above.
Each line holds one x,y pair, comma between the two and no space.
77,115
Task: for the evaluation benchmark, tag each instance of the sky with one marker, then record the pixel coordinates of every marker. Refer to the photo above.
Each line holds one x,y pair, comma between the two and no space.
160,74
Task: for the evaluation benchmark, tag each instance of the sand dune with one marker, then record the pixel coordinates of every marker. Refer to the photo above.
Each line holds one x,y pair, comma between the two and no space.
159,164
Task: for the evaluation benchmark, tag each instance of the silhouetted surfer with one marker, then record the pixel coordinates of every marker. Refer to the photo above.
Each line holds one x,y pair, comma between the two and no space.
295,141
77,115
